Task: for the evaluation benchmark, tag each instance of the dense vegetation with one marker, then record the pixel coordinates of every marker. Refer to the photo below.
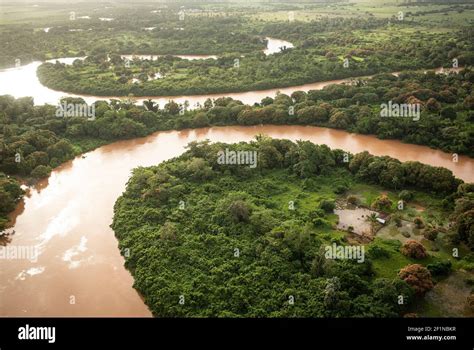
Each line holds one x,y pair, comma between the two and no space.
10,193
446,109
370,46
33,140
205,239
132,31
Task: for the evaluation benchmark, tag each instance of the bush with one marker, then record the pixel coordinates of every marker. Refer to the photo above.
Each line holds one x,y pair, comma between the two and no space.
340,189
320,222
430,233
418,277
419,223
413,249
406,195
382,203
328,206
448,112
440,268
239,211
397,219
352,200
377,252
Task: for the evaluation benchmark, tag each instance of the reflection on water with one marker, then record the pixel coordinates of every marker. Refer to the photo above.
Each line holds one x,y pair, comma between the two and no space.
69,218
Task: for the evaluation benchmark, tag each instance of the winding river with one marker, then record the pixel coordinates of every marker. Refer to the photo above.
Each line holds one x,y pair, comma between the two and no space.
22,81
79,270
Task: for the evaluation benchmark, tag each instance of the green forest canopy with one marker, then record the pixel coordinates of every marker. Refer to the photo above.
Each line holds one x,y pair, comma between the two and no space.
205,239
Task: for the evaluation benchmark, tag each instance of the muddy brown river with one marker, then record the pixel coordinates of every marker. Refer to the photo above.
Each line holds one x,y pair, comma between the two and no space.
79,270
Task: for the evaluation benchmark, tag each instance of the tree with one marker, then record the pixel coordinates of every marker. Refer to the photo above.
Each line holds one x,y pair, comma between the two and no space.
7,202
413,249
41,171
168,231
465,227
200,120
339,120
266,101
150,105
199,170
239,211
448,112
418,277
372,219
172,107
327,205
432,105
382,203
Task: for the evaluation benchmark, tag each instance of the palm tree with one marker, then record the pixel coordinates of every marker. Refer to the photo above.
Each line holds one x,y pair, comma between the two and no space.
372,219
150,105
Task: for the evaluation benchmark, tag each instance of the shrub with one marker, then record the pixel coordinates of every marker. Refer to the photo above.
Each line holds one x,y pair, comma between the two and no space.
239,211
430,233
328,206
465,227
413,249
340,189
382,203
448,112
320,222
317,213
419,223
432,105
418,277
168,231
377,252
397,219
440,268
406,195
352,200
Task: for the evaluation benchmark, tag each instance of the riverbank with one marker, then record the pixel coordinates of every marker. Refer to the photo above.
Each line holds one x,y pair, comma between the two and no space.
75,204
197,226
65,138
